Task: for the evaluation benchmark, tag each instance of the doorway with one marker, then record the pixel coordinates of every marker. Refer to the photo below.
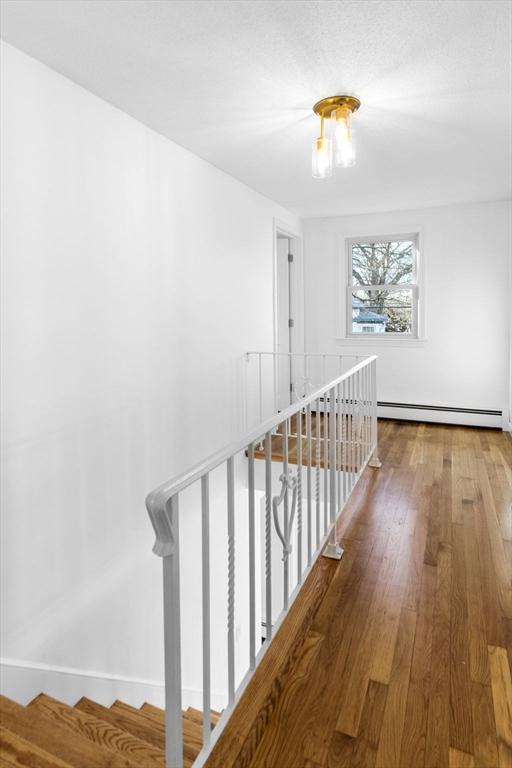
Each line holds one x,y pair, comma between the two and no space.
289,332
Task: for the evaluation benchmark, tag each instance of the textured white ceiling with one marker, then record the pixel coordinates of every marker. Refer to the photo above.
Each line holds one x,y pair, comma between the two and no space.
234,81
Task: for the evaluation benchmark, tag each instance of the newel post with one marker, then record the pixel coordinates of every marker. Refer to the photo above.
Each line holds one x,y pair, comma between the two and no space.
164,516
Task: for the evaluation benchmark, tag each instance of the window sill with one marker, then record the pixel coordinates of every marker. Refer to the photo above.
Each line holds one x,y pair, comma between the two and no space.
389,341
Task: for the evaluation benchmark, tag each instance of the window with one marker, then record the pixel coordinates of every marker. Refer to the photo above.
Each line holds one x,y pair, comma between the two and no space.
382,294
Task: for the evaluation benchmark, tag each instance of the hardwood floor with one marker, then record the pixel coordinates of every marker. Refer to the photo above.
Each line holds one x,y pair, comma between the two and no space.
407,663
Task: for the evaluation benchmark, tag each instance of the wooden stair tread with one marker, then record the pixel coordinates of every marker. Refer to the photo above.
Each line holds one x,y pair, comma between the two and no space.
100,731
138,715
192,730
15,750
192,733
189,715
141,727
278,452
40,730
50,734
137,727
197,716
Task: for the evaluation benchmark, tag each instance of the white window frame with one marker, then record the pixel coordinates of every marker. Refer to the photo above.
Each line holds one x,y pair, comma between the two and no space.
413,286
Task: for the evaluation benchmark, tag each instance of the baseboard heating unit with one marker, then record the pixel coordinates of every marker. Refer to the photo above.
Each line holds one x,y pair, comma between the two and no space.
446,414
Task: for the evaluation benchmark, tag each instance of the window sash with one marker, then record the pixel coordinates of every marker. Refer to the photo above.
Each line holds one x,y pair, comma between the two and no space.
390,288
413,238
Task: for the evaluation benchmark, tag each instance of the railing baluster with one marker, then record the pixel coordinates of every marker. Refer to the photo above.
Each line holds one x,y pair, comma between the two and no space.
354,391
332,453
357,412
286,512
351,444
374,399
374,458
252,560
308,480
368,417
326,463
338,445
205,535
317,471
344,438
363,415
172,644
363,395
356,465
299,497
231,579
268,536
332,550
358,422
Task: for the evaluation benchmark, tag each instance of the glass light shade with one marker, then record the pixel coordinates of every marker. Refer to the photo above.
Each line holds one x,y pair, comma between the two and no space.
344,153
321,164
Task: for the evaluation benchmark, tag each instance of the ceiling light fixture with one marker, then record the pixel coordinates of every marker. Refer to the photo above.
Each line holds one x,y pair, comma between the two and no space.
339,109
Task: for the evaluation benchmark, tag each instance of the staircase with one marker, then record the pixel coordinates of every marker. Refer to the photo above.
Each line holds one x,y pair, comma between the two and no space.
49,734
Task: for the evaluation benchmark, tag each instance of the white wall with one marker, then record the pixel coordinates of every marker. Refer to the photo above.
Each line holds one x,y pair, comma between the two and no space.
465,252
134,276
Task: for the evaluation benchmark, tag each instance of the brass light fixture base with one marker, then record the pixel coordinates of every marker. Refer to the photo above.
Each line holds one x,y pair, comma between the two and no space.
326,107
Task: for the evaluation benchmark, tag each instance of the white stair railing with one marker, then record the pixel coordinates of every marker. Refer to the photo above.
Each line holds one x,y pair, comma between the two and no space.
274,380
332,434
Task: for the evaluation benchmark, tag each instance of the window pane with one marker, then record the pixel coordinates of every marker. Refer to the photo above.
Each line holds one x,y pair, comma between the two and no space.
381,263
385,311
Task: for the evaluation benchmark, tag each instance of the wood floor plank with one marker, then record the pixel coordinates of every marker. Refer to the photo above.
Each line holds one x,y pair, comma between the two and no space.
438,728
507,634
460,759
501,686
355,665
366,745
478,654
484,727
495,580
416,715
461,719
390,742
341,750
502,564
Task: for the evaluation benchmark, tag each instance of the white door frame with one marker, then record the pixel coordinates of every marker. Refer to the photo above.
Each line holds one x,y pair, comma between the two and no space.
298,287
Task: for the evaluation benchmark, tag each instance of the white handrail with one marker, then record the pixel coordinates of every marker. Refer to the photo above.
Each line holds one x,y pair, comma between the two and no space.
344,434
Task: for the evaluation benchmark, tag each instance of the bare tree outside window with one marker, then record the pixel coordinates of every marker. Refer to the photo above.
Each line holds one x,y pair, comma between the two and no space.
382,289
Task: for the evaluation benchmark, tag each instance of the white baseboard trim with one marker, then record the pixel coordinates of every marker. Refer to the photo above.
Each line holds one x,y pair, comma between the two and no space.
22,681
441,417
